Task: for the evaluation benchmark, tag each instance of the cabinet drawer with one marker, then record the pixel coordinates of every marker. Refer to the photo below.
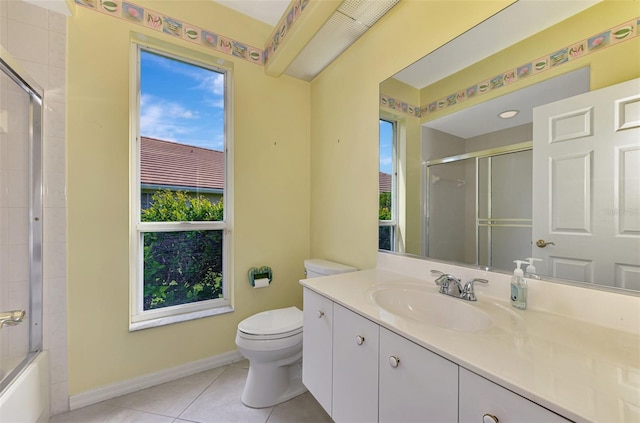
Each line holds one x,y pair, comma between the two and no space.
419,387
355,367
479,396
317,347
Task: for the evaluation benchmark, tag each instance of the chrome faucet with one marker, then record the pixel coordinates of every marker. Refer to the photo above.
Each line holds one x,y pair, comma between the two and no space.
11,318
450,285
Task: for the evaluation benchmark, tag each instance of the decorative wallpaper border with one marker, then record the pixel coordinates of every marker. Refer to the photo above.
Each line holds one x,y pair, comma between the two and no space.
283,27
160,22
591,45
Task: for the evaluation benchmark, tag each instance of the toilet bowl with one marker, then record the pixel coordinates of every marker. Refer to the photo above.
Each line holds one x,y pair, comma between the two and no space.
272,342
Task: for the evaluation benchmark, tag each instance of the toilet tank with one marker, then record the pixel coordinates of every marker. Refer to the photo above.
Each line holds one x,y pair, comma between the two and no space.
318,267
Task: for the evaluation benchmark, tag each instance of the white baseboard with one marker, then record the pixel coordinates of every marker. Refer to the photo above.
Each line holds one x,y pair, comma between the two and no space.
167,375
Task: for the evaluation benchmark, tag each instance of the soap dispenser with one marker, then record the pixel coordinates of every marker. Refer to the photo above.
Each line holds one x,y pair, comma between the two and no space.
531,270
518,287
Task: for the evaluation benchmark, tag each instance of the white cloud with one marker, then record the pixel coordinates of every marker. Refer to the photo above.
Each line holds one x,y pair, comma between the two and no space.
385,164
210,82
214,82
164,119
213,85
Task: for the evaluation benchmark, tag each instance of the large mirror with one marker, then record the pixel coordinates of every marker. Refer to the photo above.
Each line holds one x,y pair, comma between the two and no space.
520,140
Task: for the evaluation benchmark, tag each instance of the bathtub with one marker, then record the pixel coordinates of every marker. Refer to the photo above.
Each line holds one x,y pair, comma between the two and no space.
26,399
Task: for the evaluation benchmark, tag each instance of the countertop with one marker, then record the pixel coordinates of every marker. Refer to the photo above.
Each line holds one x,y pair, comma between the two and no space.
579,370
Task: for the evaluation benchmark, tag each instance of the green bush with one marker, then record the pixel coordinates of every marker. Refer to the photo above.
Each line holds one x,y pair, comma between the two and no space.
385,206
182,266
384,213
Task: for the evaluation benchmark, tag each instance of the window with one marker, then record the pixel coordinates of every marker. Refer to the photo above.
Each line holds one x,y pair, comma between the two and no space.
181,188
388,223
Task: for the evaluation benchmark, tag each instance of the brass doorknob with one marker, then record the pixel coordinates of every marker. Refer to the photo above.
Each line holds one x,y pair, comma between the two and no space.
542,243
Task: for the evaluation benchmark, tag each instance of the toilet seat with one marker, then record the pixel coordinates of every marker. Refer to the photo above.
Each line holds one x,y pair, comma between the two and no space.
272,324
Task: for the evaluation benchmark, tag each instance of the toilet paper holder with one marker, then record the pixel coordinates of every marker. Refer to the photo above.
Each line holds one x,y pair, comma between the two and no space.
263,272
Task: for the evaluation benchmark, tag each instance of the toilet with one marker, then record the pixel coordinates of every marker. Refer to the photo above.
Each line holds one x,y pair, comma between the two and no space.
272,342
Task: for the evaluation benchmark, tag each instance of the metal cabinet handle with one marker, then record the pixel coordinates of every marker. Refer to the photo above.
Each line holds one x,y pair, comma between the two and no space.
320,314
490,418
541,243
394,361
359,340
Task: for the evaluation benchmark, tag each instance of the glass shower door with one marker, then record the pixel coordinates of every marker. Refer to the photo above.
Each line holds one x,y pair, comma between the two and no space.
450,196
20,225
504,208
479,206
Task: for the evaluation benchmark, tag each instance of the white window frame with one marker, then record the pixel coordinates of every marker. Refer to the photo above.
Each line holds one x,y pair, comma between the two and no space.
393,223
139,318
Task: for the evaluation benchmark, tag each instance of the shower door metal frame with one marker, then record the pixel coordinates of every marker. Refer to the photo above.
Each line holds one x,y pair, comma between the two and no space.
10,67
477,155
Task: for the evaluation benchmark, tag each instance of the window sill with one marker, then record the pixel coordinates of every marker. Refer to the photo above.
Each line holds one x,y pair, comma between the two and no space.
163,321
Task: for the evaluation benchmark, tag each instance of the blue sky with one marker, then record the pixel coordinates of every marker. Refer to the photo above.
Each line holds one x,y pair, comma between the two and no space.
181,102
386,146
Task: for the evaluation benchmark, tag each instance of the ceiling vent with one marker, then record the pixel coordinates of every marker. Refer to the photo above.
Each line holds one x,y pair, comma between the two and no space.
352,19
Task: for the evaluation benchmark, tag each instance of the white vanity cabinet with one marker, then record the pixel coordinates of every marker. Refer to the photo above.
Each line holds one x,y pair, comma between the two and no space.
355,367
317,347
362,372
483,401
415,384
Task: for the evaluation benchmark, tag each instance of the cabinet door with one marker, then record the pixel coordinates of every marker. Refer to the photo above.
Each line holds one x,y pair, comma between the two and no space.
355,367
416,385
480,397
317,347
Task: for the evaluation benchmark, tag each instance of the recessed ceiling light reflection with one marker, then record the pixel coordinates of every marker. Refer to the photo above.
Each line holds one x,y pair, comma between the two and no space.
508,114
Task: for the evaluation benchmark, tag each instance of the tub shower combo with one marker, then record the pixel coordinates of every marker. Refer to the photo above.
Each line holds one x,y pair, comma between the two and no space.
23,366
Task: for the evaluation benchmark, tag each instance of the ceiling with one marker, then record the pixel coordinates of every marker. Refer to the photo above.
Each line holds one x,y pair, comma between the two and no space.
483,118
350,20
267,11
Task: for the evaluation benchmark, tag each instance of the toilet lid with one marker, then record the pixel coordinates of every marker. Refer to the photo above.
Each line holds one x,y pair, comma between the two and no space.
272,322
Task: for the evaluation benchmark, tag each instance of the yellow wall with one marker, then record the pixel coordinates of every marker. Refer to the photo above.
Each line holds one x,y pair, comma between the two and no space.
271,211
344,121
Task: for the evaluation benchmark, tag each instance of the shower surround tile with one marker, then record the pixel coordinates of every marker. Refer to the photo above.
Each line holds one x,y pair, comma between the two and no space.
28,13
28,42
36,38
55,227
54,263
57,23
57,49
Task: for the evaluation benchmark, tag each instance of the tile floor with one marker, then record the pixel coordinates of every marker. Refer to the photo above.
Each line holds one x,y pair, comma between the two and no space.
208,397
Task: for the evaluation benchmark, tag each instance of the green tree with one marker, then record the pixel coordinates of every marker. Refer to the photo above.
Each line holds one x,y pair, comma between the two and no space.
182,266
384,213
385,206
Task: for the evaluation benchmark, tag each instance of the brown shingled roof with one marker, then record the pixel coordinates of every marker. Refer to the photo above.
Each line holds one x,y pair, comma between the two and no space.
180,165
174,164
384,181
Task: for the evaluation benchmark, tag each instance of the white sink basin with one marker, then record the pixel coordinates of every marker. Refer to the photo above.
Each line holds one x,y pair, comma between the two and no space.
431,308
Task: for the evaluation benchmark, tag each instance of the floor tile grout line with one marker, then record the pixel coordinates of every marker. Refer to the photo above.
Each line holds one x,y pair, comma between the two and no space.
225,368
164,415
143,412
183,410
271,412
